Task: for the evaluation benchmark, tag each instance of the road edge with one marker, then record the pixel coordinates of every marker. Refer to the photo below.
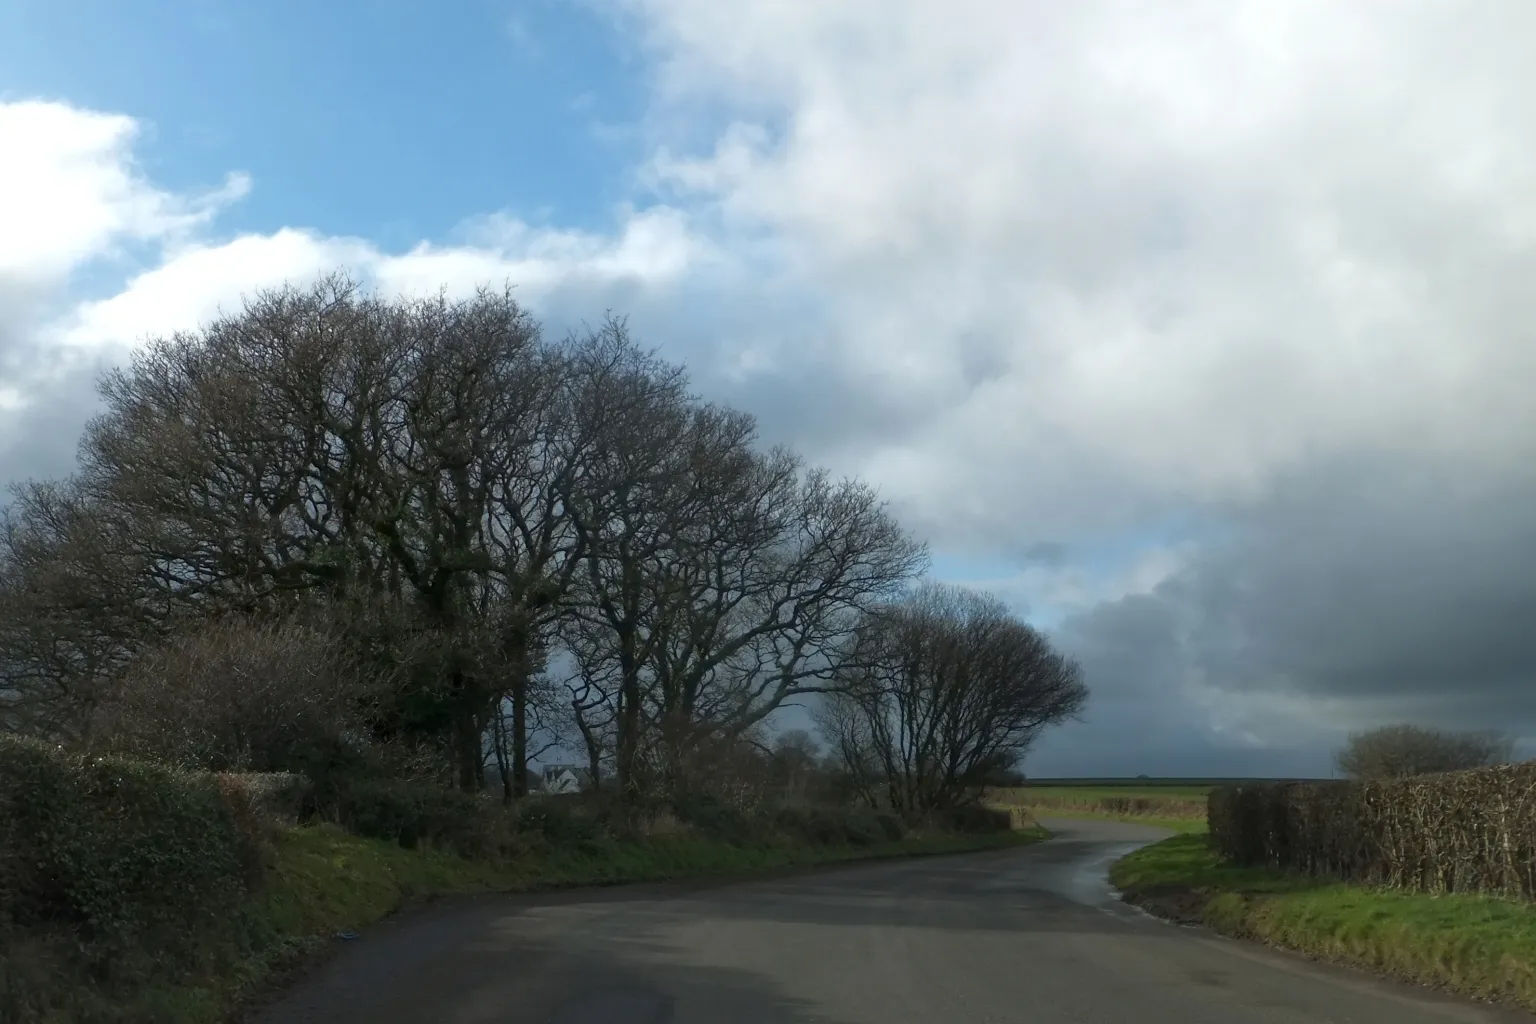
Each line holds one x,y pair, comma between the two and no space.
1237,916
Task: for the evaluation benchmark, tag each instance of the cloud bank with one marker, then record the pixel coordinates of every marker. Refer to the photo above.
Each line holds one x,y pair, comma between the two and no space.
1202,332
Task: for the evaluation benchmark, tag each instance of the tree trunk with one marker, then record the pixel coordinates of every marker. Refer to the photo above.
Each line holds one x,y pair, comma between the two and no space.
468,739
520,735
503,763
626,770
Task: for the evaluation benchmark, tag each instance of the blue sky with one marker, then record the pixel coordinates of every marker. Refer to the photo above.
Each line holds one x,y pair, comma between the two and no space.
387,119
1254,473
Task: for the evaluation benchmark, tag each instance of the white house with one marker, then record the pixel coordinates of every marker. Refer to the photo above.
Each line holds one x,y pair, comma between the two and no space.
565,778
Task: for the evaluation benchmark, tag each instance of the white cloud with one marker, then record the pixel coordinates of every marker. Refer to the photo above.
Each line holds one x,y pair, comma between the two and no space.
72,195
1122,265
196,281
653,246
70,191
1051,590
1193,246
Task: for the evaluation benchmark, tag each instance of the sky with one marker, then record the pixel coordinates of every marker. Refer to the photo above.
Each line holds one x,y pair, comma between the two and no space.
1201,332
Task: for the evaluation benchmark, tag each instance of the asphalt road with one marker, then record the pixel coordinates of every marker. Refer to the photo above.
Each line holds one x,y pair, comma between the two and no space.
1031,935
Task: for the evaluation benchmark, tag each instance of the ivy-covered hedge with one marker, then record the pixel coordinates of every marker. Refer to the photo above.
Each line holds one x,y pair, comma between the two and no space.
112,869
122,849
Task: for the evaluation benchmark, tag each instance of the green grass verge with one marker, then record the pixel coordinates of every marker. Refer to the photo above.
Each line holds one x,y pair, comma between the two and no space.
1475,945
325,880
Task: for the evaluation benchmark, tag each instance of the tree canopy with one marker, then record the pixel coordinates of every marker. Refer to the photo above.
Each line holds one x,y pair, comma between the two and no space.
488,542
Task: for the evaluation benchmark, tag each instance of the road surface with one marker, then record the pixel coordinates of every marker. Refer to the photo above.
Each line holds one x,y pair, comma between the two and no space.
1028,935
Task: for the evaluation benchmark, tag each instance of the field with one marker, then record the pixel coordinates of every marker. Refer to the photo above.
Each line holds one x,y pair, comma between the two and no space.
1176,804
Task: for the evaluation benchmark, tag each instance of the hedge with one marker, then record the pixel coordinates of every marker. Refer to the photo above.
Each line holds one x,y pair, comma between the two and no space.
1468,831
978,818
472,825
856,826
122,863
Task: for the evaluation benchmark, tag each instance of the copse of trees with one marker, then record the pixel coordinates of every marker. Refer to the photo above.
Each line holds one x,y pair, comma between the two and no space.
334,529
942,692
1401,751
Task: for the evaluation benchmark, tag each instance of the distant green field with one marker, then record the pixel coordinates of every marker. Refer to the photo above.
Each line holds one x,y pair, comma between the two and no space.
1202,785
1096,791
1177,804
1178,807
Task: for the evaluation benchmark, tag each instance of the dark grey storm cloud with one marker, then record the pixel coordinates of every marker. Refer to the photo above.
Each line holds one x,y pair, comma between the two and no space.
46,396
39,440
802,392
1354,596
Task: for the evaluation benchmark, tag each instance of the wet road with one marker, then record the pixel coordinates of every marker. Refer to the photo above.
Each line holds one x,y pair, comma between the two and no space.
1029,935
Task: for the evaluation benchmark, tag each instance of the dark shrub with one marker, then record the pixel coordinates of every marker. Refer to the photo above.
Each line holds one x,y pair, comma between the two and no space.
413,813
861,826
131,857
239,696
892,827
716,817
279,796
974,818
825,825
561,820
794,821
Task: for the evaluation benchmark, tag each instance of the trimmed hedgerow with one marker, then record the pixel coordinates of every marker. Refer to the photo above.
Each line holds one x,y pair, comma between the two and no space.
134,859
1458,832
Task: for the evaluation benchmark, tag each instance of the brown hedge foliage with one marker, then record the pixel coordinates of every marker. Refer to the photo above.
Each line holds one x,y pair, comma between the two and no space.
1467,831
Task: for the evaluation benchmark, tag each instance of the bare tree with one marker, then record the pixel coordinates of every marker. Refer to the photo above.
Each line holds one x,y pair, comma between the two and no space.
532,716
238,695
72,610
1400,751
459,506
945,687
719,581
391,454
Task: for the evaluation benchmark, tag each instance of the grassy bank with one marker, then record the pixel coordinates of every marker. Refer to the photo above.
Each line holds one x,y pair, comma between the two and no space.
1178,808
1474,945
323,881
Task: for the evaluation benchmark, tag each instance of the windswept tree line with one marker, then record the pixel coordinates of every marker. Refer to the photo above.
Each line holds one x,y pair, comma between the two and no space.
335,527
